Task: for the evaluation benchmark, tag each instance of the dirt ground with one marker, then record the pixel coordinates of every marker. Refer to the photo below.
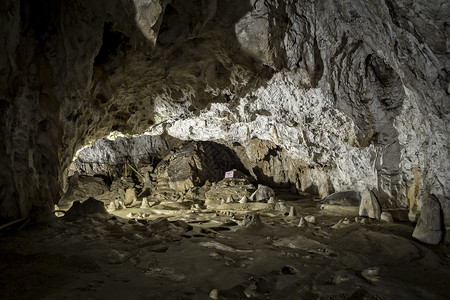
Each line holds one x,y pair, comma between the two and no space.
185,254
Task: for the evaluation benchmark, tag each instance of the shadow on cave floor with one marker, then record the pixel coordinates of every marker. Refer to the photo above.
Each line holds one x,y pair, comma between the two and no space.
222,254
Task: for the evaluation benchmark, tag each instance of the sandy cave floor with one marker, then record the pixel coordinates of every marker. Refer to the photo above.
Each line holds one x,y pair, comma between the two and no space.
186,255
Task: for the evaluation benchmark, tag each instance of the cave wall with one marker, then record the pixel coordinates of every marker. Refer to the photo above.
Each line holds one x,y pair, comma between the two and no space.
354,94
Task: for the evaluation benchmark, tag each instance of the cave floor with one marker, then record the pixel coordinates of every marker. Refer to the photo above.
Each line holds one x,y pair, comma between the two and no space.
205,254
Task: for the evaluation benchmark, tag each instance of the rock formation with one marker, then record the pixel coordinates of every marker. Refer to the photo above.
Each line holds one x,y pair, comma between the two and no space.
369,206
321,96
429,227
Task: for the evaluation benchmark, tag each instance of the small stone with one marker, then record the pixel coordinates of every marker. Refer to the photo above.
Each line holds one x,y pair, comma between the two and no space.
292,212
282,207
359,219
250,291
229,262
138,237
271,200
302,222
342,276
214,294
244,199
115,257
230,199
58,213
245,220
372,274
145,203
131,215
254,221
342,223
365,221
387,217
310,219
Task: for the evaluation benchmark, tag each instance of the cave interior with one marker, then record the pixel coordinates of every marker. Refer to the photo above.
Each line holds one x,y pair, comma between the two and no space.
235,149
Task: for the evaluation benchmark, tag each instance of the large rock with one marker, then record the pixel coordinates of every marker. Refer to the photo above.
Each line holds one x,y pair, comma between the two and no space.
263,193
88,207
81,188
369,206
429,227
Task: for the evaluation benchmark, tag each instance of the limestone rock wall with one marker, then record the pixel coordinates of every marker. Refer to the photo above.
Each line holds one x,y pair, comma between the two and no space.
353,94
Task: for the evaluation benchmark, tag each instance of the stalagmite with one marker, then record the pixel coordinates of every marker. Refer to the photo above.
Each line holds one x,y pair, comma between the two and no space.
369,206
244,199
302,222
112,206
144,203
292,212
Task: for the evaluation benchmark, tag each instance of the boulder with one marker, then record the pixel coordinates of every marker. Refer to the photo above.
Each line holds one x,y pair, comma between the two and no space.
429,227
310,219
81,188
88,207
262,193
